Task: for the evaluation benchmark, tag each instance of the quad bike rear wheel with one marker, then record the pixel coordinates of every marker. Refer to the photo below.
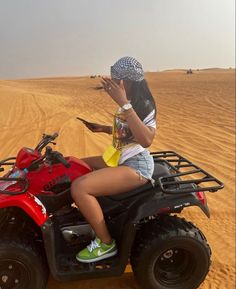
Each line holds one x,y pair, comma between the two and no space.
170,253
21,266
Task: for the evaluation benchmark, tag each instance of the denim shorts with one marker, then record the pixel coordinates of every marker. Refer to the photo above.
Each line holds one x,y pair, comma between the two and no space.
143,163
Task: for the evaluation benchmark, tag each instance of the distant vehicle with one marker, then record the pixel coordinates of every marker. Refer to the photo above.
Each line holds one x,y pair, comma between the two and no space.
41,231
189,71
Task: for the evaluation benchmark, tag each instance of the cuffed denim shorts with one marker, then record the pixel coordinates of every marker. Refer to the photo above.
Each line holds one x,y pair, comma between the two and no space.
143,163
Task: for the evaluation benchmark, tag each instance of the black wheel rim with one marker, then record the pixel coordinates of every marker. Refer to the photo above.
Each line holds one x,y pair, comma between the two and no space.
174,266
13,274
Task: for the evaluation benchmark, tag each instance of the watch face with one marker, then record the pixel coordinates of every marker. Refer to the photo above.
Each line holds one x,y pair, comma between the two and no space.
127,106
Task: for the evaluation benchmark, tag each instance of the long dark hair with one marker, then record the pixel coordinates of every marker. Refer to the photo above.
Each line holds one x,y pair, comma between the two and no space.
141,98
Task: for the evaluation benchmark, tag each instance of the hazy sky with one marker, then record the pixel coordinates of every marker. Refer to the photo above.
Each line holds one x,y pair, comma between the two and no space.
83,37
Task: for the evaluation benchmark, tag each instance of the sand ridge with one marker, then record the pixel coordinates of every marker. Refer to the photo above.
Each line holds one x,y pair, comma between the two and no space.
196,118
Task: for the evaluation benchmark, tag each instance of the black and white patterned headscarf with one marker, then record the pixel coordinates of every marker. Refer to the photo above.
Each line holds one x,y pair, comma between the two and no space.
127,68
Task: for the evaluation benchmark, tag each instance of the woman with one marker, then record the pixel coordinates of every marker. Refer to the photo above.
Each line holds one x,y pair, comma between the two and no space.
127,163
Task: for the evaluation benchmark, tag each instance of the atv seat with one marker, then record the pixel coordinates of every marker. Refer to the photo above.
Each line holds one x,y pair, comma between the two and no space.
159,171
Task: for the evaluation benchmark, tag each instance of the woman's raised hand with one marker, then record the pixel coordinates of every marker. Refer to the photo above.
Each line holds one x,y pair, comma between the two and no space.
116,91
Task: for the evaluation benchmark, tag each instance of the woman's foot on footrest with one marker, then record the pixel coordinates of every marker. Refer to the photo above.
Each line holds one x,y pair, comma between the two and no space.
97,251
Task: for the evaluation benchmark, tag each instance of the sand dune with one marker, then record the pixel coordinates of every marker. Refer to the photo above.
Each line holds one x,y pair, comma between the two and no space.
195,118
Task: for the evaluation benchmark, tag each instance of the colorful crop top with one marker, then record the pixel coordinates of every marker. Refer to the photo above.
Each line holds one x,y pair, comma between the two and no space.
123,139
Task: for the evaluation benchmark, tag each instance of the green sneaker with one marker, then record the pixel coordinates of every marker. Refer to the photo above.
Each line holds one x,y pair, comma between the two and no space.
97,251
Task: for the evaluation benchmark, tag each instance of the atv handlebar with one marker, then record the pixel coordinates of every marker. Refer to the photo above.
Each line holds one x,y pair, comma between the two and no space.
45,141
54,156
61,159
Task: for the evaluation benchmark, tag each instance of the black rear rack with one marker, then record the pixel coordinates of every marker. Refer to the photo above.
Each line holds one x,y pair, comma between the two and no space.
11,162
185,177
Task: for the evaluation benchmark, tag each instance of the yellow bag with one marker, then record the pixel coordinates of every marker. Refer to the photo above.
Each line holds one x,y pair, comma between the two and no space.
111,156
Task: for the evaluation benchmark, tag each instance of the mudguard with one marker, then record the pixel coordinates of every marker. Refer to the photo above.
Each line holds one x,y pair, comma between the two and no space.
30,204
159,203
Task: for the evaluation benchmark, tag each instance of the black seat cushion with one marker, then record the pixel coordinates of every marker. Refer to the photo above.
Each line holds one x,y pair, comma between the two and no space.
160,170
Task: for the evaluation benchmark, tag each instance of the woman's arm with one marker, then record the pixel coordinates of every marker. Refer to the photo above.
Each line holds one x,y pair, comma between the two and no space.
142,133
95,127
107,129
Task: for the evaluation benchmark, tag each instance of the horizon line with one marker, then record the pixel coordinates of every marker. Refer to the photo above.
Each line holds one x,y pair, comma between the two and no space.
100,75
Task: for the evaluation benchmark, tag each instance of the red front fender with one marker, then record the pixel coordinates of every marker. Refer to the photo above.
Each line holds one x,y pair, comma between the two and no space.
30,204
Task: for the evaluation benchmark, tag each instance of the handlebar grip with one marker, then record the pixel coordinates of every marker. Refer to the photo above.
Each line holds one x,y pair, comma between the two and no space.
55,135
63,161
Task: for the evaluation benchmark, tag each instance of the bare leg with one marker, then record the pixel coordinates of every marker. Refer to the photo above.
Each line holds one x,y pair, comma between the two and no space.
103,182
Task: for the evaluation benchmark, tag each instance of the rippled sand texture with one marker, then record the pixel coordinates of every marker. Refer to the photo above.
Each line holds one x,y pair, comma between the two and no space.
196,119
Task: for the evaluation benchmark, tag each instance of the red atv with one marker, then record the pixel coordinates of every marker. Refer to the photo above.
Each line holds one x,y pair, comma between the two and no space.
42,231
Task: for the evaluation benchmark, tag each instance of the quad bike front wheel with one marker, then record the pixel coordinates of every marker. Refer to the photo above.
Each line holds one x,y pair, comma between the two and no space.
21,266
170,253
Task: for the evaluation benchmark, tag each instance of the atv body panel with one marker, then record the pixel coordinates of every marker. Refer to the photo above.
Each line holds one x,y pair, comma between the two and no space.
30,204
55,178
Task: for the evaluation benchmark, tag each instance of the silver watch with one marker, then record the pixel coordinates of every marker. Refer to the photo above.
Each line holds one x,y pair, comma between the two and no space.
126,106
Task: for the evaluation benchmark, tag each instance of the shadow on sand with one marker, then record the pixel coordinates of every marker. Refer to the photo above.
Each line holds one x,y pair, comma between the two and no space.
126,281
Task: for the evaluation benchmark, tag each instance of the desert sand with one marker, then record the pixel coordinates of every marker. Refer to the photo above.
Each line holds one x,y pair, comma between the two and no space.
195,118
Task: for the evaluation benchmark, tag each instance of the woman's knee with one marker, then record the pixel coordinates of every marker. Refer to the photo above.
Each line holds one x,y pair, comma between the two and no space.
77,188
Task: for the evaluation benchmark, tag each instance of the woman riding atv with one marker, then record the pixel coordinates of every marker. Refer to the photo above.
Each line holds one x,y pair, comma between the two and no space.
127,163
